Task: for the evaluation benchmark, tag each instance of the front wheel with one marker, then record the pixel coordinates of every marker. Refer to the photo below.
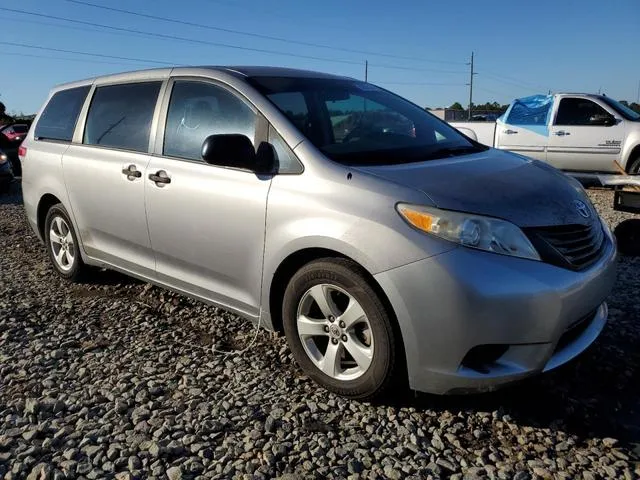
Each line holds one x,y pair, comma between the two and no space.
62,243
338,329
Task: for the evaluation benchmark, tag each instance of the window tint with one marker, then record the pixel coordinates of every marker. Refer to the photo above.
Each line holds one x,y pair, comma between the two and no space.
286,161
578,111
20,128
120,116
59,117
197,110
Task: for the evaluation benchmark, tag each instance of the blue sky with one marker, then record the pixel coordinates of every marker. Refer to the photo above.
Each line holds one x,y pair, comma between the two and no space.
521,47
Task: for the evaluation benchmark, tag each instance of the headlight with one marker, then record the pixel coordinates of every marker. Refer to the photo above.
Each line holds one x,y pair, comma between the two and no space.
3,158
475,231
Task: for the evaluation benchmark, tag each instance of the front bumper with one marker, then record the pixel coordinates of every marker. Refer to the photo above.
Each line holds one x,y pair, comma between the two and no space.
465,299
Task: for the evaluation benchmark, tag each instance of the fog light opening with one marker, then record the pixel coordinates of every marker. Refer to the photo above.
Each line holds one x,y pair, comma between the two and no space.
482,357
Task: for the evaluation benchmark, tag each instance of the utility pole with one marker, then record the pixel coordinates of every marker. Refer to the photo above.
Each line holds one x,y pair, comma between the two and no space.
366,70
471,86
638,96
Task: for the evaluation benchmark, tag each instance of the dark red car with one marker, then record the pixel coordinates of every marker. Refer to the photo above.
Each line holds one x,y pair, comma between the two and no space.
15,132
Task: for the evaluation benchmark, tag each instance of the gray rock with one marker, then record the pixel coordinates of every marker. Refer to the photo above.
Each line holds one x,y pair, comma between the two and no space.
269,424
446,464
277,413
174,473
437,442
31,406
134,463
71,453
522,475
392,473
42,471
83,468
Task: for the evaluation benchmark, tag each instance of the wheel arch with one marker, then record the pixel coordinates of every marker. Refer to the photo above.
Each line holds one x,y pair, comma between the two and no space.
296,260
47,201
634,154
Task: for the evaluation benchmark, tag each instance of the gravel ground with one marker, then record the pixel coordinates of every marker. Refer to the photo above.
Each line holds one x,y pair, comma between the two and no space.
116,378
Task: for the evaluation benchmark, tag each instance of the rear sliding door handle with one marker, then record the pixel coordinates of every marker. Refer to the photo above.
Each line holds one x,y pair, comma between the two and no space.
561,133
160,178
509,132
131,172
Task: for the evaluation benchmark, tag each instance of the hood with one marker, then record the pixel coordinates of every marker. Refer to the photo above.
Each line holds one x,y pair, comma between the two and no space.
499,184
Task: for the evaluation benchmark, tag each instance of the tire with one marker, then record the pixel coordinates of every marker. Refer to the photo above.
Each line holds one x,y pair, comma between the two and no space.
320,332
62,245
628,236
634,166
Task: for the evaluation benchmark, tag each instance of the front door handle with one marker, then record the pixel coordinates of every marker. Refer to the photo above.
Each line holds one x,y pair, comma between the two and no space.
160,178
131,172
561,133
510,132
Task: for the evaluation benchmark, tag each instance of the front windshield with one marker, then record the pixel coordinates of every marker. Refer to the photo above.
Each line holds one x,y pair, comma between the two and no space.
626,112
357,123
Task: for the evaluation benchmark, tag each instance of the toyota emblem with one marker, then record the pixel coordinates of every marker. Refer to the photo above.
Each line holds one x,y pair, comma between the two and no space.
582,208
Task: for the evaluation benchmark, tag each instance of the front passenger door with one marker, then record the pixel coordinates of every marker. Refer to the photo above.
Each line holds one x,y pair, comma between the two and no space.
207,222
578,143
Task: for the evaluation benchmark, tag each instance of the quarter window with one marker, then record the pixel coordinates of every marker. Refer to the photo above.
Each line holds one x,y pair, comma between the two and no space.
286,161
120,116
578,111
197,110
59,117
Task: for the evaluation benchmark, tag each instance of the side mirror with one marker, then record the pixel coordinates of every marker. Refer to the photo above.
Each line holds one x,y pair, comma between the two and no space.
602,120
237,151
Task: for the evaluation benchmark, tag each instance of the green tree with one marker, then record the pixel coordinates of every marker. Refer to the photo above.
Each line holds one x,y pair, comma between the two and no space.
456,106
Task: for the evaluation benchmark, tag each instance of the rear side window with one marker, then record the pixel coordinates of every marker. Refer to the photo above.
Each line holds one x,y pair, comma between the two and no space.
120,116
59,117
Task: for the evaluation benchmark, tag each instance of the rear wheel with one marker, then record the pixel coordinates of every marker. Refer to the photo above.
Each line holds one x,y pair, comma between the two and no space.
62,243
338,329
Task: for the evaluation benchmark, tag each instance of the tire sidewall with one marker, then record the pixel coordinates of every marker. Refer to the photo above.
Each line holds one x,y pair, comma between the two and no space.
378,373
59,211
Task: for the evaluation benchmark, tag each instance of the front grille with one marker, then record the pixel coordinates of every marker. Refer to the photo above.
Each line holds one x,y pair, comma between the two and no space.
568,246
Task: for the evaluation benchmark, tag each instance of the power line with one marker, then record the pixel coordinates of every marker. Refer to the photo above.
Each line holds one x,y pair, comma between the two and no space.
77,52
60,25
85,60
183,39
513,81
216,44
258,35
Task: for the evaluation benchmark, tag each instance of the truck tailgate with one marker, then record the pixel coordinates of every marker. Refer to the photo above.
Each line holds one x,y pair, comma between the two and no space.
484,131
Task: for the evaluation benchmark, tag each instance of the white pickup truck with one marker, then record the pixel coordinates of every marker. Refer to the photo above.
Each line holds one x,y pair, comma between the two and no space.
573,132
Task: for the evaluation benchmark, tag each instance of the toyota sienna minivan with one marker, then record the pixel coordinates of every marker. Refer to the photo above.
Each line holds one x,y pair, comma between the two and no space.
387,246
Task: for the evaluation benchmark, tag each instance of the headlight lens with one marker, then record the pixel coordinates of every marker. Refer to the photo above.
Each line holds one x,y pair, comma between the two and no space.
3,158
475,231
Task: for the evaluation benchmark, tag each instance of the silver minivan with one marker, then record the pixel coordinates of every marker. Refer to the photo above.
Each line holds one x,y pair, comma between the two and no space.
388,247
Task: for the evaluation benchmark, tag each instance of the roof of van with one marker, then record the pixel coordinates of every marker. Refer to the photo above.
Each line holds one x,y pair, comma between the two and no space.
257,71
237,71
